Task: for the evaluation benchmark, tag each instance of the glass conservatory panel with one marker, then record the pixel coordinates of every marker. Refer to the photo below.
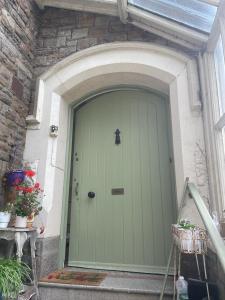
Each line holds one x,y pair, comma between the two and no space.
192,13
220,74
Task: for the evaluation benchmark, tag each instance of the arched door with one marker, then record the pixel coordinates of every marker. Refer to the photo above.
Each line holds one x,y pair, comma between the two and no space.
122,197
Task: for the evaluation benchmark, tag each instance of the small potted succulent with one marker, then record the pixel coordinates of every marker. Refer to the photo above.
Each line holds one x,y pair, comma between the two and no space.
12,274
28,197
5,215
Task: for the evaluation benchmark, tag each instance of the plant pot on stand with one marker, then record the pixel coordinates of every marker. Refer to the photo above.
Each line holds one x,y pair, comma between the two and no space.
21,222
4,219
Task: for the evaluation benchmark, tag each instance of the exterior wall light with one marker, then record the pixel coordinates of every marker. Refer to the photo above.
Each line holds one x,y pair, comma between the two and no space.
54,130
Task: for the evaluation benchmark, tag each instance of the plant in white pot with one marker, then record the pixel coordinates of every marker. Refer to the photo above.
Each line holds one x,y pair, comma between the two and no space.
29,195
5,215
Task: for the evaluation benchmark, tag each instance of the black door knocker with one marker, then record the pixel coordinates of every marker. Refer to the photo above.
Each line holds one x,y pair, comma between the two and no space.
117,140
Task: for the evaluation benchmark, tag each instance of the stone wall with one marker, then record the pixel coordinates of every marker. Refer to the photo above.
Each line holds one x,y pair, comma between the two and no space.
63,32
18,29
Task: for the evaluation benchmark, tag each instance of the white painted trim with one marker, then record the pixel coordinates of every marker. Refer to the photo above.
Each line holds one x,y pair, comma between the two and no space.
194,90
103,67
221,123
213,142
222,30
215,31
107,7
40,4
216,122
209,131
122,10
182,33
117,46
211,2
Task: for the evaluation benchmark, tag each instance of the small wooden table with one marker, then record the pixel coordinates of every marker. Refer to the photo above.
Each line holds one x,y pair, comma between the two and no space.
20,236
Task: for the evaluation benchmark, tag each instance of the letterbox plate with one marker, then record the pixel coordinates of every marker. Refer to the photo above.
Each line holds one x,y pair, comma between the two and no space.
118,191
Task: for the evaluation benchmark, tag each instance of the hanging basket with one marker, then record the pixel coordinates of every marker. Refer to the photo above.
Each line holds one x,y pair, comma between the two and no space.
190,241
14,177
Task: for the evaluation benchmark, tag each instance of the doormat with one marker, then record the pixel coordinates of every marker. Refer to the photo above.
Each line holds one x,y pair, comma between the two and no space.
73,277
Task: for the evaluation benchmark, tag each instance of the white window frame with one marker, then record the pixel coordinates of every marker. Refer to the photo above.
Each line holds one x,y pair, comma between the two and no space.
214,122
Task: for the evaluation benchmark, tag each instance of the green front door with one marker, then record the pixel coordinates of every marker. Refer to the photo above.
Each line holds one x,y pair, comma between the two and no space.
126,225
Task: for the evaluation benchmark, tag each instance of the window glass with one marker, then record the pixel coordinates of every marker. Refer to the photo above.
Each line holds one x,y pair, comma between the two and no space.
192,13
220,74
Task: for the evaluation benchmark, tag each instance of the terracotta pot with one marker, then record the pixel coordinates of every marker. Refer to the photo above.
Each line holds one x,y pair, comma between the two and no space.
4,219
21,222
30,220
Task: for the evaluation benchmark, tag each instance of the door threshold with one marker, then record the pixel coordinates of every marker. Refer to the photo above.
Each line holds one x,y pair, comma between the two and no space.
120,267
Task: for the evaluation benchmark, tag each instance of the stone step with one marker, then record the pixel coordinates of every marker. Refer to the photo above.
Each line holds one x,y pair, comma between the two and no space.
116,286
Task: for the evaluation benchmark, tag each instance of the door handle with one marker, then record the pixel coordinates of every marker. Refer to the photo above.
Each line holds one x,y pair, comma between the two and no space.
91,195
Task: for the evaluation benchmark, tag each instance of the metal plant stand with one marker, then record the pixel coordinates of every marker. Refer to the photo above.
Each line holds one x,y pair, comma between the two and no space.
186,241
20,236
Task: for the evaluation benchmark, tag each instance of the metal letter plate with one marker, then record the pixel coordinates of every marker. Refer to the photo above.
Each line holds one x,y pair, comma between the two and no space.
118,191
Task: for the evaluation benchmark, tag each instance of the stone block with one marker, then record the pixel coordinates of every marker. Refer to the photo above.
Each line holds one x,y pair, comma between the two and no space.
57,292
48,32
86,43
86,20
103,21
98,31
71,43
79,33
64,32
40,70
46,245
50,42
117,26
17,88
47,255
63,52
5,76
61,41
113,37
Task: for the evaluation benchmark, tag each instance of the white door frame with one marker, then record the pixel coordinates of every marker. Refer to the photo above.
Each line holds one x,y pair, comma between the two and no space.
102,67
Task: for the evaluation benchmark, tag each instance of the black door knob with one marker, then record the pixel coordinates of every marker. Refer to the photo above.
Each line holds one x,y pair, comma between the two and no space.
91,195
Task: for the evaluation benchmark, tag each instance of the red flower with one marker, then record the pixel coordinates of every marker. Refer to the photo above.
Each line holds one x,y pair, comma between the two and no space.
19,188
37,185
29,173
28,190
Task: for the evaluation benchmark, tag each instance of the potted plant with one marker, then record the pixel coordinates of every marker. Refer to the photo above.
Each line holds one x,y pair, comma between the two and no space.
28,199
14,175
5,215
12,275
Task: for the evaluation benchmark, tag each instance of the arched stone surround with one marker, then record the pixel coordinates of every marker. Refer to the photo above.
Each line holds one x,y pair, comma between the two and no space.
103,67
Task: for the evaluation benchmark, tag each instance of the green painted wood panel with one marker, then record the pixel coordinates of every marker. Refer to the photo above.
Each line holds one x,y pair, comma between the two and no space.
130,231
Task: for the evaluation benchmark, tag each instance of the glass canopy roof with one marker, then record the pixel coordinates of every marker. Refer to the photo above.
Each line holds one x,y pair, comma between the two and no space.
192,13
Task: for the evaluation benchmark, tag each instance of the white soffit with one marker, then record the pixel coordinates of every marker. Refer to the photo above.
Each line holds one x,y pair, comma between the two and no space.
149,20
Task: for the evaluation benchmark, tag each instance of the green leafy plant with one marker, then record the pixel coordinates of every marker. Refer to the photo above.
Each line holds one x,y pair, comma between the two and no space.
12,275
9,208
185,224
